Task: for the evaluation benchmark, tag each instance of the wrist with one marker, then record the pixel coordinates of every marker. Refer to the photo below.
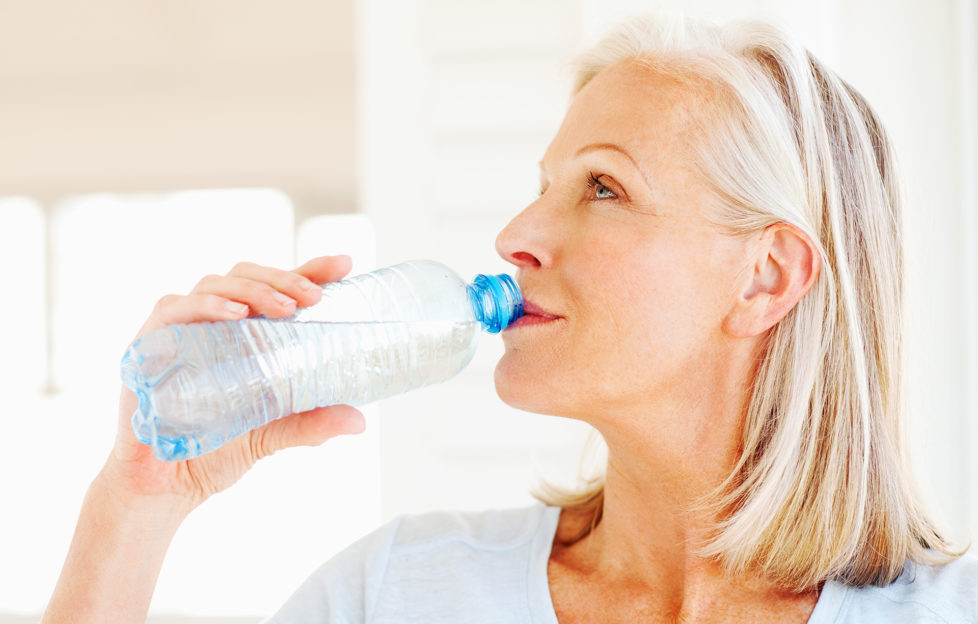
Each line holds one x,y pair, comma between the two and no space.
129,497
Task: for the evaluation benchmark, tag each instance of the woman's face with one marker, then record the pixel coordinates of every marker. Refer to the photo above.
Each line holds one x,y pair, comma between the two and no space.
627,282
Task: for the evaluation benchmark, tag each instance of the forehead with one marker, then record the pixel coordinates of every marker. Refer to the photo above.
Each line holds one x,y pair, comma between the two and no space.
636,107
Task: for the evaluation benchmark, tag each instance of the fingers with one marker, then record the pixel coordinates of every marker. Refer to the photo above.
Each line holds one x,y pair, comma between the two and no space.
267,280
275,292
268,291
310,428
259,296
325,269
195,308
249,289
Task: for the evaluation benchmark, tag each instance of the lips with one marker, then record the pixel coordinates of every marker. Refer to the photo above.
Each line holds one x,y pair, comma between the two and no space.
532,309
533,315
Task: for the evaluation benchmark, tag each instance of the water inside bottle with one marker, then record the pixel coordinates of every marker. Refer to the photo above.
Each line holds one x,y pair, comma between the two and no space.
203,384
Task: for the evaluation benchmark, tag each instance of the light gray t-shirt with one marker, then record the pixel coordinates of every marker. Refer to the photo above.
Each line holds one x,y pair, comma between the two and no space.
491,567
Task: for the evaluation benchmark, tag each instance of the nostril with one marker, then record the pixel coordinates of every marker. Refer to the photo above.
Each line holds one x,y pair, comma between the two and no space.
523,257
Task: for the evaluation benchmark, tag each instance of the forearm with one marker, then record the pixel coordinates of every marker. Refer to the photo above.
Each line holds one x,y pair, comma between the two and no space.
114,559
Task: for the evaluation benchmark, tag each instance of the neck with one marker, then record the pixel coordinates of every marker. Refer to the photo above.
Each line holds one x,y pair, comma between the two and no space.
653,520
663,462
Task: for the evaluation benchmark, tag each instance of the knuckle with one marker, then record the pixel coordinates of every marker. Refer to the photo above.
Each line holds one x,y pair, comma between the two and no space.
241,267
265,291
206,281
300,281
165,303
214,303
259,443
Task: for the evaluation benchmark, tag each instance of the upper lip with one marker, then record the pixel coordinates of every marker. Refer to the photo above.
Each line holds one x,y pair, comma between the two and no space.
532,309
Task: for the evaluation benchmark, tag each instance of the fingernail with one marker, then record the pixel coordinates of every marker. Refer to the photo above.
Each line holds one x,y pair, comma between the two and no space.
235,308
284,299
306,285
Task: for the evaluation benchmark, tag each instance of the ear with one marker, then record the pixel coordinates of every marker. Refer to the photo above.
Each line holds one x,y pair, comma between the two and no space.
785,263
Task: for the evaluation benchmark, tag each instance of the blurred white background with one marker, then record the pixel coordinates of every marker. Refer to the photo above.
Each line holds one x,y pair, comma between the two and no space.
145,144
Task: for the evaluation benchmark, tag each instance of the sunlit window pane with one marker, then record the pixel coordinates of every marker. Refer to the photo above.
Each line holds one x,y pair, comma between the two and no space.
22,313
116,255
25,424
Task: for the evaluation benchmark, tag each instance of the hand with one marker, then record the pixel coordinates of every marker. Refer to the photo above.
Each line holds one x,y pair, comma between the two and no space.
132,470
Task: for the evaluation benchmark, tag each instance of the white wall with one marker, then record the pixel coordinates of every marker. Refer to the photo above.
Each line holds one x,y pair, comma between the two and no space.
116,95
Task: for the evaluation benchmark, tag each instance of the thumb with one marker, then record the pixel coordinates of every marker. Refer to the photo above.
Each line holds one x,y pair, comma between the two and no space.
310,428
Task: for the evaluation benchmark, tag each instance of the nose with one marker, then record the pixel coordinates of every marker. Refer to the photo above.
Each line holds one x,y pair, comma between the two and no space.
523,241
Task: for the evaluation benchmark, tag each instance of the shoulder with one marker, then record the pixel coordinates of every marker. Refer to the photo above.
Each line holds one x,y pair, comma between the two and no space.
945,594
427,568
493,530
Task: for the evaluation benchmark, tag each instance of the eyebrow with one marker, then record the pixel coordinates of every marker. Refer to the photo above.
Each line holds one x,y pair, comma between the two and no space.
593,147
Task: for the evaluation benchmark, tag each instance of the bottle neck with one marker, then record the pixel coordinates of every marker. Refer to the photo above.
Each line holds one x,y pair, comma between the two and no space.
496,301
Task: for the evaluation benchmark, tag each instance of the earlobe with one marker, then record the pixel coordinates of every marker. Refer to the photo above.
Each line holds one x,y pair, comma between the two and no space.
785,266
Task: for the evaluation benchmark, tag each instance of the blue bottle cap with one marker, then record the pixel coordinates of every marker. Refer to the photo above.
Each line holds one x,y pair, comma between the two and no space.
496,301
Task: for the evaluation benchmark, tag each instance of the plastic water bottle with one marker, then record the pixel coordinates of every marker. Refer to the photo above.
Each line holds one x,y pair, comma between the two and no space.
370,337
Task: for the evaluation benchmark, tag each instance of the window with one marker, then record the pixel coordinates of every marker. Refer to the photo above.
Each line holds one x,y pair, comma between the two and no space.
81,276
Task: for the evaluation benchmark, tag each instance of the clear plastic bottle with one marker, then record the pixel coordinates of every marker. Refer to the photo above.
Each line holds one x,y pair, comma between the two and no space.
370,337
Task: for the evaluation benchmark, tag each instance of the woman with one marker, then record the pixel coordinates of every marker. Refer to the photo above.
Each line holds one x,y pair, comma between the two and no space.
713,274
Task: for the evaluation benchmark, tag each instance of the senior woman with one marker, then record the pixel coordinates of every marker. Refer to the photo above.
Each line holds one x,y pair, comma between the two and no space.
713,274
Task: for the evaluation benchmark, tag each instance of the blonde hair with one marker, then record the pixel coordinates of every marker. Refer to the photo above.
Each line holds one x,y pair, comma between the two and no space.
822,488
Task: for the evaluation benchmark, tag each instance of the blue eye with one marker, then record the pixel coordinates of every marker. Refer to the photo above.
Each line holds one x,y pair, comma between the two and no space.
600,190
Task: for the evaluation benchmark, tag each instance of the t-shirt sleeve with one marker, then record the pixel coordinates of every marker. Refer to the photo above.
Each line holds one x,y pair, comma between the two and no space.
924,594
344,590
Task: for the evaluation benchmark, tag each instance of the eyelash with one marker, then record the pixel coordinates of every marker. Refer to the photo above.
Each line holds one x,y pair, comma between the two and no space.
593,183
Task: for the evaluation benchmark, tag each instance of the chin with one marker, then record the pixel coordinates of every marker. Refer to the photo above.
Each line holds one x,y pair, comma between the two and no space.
506,388
523,391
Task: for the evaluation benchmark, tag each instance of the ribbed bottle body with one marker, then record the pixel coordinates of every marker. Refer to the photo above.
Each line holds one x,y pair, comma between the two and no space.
206,383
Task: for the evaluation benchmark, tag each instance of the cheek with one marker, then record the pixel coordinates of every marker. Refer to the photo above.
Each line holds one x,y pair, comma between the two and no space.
624,313
647,316
630,288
